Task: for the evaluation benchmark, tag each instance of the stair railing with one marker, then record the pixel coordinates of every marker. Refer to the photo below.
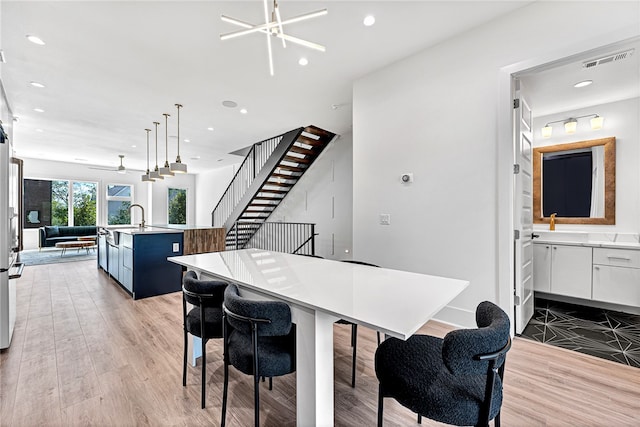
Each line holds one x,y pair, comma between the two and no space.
289,237
243,178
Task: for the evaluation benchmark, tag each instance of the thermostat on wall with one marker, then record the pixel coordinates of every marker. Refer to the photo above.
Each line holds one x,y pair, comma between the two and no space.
406,178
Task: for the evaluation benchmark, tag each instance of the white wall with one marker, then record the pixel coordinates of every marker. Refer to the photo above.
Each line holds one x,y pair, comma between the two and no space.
154,201
323,196
436,114
209,188
621,122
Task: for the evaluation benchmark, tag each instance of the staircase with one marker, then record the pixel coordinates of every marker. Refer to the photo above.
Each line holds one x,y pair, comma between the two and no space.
267,174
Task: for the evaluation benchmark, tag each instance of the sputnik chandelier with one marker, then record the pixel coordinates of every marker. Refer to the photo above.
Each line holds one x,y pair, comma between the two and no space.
273,28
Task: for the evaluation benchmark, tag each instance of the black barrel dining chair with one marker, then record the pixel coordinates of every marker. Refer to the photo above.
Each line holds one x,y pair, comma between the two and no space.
354,329
203,320
259,340
456,380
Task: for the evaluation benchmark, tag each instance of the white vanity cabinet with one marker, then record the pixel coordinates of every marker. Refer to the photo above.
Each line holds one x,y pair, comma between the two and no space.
616,276
562,270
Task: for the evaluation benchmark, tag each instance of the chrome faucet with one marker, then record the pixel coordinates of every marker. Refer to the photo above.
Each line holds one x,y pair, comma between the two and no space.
142,209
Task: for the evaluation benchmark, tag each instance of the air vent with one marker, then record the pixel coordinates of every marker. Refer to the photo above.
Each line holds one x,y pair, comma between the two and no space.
609,58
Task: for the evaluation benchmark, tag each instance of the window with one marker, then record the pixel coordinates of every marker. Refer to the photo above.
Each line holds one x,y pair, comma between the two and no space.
119,199
59,202
177,207
84,203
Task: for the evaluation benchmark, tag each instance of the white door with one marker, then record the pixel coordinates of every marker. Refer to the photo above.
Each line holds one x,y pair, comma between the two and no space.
523,220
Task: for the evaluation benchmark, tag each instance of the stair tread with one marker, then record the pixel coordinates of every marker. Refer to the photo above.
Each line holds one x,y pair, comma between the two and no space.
291,168
292,159
301,150
285,176
309,141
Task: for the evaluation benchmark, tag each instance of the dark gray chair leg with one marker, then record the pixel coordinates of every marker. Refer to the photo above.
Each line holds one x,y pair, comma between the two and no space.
496,420
270,383
380,405
204,371
419,419
354,343
378,332
184,362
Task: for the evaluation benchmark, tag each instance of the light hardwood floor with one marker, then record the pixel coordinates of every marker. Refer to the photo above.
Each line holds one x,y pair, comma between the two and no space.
85,353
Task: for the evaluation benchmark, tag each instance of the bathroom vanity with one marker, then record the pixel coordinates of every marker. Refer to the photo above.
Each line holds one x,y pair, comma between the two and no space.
589,266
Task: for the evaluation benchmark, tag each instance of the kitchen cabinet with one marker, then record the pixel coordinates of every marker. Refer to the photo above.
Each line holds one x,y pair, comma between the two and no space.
102,252
616,276
562,270
137,260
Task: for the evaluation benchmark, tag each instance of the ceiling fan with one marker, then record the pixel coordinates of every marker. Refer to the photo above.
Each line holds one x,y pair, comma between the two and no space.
120,169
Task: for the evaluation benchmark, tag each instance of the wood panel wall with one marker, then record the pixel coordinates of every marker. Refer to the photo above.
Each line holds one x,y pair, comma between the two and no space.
201,240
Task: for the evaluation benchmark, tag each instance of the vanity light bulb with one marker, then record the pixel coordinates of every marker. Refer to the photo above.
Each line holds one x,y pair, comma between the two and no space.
597,122
546,131
570,126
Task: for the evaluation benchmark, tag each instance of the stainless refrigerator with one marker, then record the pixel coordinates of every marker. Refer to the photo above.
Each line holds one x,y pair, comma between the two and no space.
10,232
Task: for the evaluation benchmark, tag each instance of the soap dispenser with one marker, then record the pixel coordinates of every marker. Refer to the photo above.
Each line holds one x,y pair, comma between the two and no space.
552,221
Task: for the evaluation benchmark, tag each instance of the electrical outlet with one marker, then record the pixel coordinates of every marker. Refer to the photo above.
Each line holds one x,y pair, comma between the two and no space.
176,247
385,219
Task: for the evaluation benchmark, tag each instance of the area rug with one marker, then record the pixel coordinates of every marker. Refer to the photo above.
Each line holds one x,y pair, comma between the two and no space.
55,256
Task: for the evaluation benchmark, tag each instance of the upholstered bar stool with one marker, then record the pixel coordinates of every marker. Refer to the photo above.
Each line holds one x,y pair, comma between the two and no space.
204,320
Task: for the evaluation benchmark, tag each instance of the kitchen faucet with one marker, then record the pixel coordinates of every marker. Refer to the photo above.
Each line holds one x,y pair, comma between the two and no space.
142,209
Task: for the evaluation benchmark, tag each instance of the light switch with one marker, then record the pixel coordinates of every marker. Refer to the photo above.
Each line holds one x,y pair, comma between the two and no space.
385,219
176,247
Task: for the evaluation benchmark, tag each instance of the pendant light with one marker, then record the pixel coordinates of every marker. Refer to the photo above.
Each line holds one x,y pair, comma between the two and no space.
178,166
166,170
156,174
147,176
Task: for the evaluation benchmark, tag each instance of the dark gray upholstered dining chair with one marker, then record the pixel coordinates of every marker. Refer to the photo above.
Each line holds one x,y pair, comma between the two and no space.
456,380
259,340
204,320
354,328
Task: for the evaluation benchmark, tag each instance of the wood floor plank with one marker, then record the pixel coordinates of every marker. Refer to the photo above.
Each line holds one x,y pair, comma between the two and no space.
85,353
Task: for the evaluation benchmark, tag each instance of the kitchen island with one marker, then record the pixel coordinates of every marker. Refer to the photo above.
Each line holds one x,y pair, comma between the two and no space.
136,257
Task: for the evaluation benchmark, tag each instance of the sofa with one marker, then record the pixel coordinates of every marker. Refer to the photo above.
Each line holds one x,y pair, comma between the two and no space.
50,235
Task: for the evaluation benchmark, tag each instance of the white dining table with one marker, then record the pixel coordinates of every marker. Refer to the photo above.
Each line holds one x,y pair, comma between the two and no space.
319,292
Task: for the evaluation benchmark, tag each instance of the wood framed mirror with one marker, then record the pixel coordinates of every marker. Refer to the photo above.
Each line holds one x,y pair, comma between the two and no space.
577,181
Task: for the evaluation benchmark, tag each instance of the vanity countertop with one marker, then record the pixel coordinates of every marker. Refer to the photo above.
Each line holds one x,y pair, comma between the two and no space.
594,240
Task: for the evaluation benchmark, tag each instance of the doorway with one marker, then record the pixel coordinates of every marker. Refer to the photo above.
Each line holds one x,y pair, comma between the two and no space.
521,76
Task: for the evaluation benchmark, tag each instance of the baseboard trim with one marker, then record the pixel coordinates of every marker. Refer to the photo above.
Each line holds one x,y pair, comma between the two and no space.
457,317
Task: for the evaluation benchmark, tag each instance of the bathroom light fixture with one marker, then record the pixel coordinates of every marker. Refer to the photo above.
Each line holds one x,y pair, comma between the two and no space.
166,170
273,27
303,61
571,124
243,111
156,172
210,129
583,83
35,39
147,176
369,20
178,166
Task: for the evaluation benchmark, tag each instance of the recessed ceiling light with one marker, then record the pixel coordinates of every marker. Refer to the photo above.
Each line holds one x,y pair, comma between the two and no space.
187,140
303,61
133,146
195,158
36,84
210,129
583,83
35,39
38,110
230,104
244,111
38,130
369,20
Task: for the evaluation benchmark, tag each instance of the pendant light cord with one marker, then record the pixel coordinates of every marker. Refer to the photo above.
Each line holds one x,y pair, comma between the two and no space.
156,124
148,130
178,106
166,140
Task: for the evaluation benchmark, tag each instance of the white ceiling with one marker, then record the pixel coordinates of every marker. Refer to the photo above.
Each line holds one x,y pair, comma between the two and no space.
112,68
550,88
